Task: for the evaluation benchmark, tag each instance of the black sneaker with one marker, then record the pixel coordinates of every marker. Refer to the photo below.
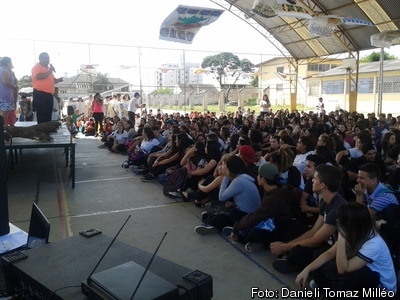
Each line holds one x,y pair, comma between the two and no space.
148,177
204,217
283,266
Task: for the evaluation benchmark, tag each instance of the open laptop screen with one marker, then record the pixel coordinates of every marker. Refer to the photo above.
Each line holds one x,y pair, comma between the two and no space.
39,228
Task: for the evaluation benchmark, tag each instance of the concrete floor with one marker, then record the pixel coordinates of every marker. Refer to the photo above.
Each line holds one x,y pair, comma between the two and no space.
105,194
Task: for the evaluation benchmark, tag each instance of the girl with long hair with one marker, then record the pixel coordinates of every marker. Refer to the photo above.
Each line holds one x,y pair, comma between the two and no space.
360,259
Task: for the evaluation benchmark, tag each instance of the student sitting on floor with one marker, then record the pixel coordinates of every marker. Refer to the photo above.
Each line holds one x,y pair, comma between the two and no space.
359,259
271,221
300,251
238,184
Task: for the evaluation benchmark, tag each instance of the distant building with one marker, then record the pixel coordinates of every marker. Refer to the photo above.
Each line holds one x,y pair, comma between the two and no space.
278,76
333,86
83,84
171,74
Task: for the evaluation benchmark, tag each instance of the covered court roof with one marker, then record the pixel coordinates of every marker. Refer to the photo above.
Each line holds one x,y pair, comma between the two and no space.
292,37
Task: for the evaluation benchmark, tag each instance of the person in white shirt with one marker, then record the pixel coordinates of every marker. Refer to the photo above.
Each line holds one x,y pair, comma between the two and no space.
265,105
260,160
304,147
133,106
360,259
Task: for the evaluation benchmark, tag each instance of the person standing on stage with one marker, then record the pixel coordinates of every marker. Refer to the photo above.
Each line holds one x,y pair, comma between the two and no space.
133,105
43,81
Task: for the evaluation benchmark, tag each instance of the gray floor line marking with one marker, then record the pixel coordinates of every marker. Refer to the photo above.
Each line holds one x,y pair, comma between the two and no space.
120,210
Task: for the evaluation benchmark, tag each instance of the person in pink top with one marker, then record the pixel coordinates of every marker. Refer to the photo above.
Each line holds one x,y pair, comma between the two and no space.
43,81
98,114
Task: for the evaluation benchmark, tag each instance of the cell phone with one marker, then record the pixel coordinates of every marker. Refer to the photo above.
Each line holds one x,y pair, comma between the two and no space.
90,232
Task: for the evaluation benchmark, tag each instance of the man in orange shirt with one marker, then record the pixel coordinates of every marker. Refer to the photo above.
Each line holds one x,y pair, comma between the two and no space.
43,88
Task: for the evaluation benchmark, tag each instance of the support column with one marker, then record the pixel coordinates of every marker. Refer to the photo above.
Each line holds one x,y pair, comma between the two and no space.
293,98
221,101
191,100
352,101
204,101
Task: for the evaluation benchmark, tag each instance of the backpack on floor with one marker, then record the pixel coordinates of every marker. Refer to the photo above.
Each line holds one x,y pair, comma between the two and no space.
176,180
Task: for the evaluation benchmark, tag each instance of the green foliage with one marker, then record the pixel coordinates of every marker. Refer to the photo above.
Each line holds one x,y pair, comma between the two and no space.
251,101
101,83
25,81
254,82
376,56
162,91
227,64
101,78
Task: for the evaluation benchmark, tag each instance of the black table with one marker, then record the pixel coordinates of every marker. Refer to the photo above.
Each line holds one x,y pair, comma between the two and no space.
60,139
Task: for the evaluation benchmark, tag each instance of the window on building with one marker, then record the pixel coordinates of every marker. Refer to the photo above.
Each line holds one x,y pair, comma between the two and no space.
366,85
280,69
313,88
333,87
391,84
279,87
321,67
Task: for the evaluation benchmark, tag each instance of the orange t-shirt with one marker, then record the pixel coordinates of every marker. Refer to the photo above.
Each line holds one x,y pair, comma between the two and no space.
44,85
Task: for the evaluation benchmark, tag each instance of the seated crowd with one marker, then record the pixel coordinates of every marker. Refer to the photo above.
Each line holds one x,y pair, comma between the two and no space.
318,191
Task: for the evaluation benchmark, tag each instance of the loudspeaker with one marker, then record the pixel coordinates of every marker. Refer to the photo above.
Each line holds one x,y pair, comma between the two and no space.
4,226
204,283
70,110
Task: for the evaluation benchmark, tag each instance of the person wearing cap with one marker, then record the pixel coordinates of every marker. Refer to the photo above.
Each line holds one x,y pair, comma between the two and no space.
269,222
133,106
246,153
239,185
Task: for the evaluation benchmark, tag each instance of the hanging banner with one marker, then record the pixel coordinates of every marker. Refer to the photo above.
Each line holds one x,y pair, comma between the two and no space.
281,8
325,25
384,39
184,22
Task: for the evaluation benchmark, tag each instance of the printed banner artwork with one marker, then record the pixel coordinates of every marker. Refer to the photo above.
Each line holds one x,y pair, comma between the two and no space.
184,22
281,8
325,25
385,39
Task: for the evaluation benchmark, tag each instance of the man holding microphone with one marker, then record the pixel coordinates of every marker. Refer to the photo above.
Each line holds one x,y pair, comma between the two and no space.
43,81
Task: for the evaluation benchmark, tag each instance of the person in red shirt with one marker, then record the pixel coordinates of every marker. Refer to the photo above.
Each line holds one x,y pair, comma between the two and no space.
43,81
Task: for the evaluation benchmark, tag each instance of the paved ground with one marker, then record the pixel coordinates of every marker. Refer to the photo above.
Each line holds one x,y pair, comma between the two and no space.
105,194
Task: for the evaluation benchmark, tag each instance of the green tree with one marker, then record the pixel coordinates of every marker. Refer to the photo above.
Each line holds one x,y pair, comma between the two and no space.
226,65
254,82
25,81
376,56
102,83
